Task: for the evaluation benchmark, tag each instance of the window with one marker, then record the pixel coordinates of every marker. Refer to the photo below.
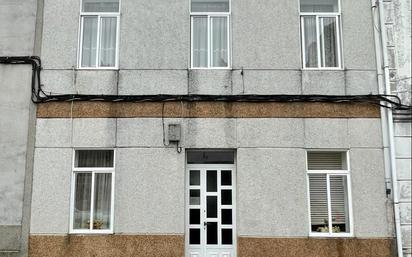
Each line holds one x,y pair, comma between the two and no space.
320,28
329,194
92,192
99,25
210,34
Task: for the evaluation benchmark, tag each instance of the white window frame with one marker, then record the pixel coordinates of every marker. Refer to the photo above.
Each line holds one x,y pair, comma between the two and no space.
210,15
92,171
97,15
328,173
337,15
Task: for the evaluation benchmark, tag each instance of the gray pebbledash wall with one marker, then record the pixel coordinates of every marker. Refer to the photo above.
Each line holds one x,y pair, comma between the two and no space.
271,175
155,51
17,124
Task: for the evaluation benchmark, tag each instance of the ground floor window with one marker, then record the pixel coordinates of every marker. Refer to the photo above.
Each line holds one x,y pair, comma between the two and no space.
92,191
329,193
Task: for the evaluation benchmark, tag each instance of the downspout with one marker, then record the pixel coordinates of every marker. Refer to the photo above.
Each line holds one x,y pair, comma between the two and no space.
386,114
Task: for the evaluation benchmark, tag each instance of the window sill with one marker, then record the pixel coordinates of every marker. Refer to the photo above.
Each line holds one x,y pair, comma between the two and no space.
97,69
84,232
323,69
327,235
215,68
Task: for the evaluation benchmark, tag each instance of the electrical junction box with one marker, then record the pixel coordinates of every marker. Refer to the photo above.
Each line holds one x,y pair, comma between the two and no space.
174,132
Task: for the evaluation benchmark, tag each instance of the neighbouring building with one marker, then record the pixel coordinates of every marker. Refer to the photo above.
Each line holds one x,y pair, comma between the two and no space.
200,128
398,28
17,125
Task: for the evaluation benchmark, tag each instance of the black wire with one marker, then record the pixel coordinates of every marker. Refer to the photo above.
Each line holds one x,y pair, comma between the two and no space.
39,96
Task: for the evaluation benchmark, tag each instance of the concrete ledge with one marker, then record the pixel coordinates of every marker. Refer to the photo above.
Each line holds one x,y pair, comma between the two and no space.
312,247
107,246
9,238
206,110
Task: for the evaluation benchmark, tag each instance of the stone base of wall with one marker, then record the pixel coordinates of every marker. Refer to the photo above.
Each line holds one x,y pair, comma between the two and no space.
106,246
173,246
314,247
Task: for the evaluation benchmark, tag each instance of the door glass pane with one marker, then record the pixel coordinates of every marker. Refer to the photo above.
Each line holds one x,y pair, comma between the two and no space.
219,42
318,202
100,6
227,236
319,6
329,47
82,201
226,197
194,236
94,158
211,233
108,42
226,216
211,181
226,177
310,41
200,42
211,202
89,44
195,177
210,5
102,201
194,197
194,218
339,204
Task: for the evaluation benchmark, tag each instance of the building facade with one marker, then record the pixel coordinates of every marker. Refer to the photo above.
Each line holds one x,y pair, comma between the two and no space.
208,128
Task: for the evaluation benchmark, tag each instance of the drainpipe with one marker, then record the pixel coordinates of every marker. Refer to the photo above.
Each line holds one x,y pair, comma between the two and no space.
386,114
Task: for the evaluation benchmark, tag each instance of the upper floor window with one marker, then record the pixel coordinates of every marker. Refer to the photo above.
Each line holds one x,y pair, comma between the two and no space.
99,25
329,193
321,37
210,47
92,192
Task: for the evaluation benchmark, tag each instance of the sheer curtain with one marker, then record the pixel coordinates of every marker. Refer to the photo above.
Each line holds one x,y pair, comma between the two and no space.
219,42
200,44
108,42
329,42
102,200
102,189
311,44
89,44
82,203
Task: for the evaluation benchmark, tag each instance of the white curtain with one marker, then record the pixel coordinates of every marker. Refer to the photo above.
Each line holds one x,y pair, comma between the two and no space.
329,42
200,44
219,42
108,42
82,203
311,44
102,200
89,44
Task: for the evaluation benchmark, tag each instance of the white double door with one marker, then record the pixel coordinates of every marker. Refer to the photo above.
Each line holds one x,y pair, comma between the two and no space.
211,213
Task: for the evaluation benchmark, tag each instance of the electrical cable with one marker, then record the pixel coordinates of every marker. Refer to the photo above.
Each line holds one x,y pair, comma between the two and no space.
40,96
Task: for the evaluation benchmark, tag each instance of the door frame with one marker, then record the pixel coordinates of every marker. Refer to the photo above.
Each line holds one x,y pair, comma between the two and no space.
234,201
